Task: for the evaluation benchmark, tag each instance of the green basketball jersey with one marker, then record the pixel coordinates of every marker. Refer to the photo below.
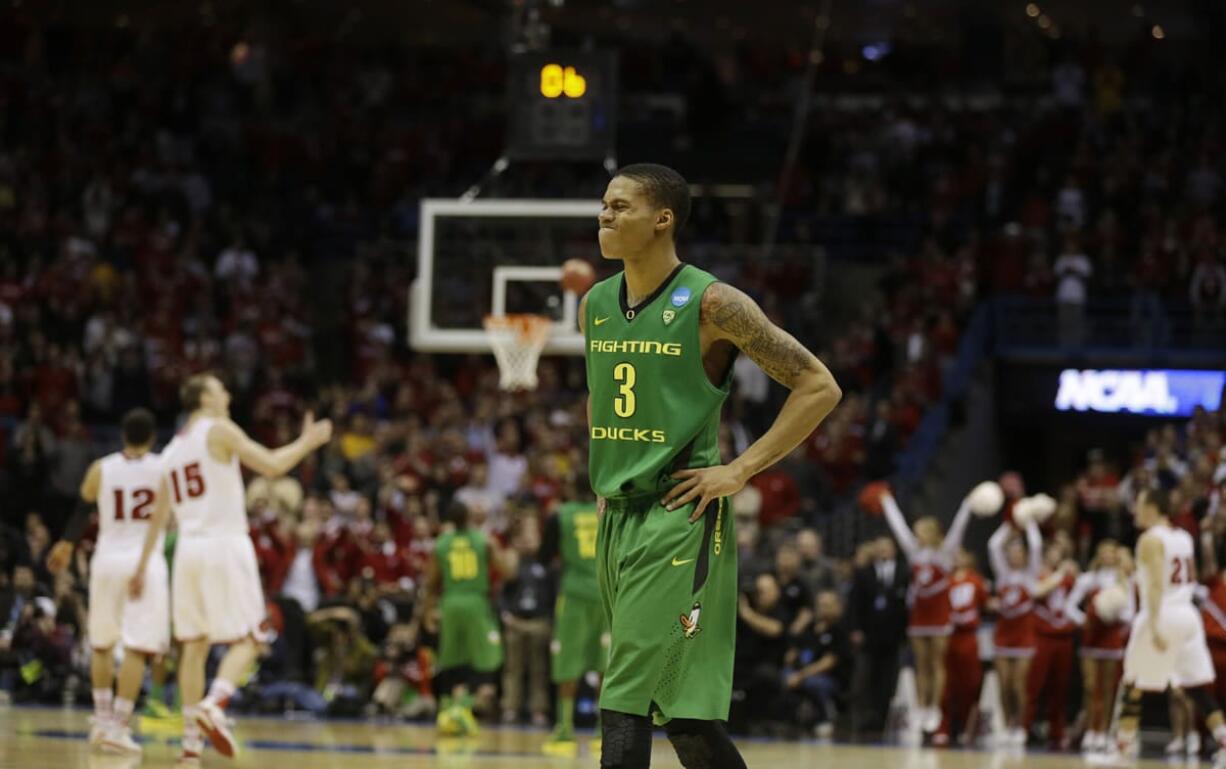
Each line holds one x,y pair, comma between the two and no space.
577,526
463,558
653,409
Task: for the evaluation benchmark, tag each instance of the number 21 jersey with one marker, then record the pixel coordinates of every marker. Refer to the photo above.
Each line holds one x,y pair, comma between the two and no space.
1179,567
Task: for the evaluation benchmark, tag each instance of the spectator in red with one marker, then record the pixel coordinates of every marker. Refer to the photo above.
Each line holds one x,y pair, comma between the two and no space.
780,497
388,562
1098,500
337,558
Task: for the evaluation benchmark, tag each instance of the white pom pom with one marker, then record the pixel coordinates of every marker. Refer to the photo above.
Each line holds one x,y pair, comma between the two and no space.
1023,512
1109,603
986,499
1042,506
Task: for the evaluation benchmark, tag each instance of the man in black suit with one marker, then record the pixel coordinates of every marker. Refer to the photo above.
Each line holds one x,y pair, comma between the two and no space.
878,615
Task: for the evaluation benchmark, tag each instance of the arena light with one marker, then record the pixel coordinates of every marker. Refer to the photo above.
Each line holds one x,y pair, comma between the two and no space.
1033,11
1158,32
875,51
1044,22
1151,392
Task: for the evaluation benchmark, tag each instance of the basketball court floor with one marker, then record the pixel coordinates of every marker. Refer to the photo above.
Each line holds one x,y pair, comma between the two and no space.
46,738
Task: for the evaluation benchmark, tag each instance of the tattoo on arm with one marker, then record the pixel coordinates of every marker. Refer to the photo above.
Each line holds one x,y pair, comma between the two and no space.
741,321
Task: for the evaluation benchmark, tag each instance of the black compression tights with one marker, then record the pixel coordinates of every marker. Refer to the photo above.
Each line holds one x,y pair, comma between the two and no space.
699,744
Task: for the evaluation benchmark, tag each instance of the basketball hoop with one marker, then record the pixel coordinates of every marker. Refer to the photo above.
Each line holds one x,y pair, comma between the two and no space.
517,341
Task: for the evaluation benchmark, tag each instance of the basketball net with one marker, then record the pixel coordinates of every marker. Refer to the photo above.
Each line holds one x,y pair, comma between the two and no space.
517,341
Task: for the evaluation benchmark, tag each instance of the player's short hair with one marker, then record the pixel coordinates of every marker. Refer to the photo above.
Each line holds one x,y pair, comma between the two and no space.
1159,498
665,188
137,427
192,390
457,513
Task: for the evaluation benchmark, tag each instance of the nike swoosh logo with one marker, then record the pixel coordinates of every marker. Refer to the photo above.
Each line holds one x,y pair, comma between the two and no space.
682,563
600,320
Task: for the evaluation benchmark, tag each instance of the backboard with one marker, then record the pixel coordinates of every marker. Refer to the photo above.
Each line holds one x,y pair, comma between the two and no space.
494,257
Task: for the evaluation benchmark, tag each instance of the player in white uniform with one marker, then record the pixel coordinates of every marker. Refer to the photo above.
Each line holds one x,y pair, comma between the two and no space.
1167,647
124,486
216,580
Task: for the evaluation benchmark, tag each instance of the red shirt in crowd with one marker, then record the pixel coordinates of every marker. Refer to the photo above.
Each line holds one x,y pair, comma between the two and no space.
780,497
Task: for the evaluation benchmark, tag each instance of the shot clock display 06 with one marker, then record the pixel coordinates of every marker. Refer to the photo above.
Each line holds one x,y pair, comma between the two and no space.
563,105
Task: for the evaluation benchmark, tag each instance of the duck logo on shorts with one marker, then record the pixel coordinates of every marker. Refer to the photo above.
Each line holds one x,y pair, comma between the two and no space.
690,623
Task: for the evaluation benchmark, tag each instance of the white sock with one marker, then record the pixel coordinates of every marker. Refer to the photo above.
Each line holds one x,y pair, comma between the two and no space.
1219,734
102,704
123,711
220,692
191,729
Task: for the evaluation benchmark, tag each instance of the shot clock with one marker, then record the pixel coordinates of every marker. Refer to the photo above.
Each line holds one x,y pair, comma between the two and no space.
563,105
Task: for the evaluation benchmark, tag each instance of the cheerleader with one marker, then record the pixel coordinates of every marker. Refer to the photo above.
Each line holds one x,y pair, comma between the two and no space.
1052,666
1102,639
968,594
1212,599
1016,566
932,560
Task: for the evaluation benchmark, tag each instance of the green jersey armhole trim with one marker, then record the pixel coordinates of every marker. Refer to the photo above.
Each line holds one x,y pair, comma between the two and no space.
726,388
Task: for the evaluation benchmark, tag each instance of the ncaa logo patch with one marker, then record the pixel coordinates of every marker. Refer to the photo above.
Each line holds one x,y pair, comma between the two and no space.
681,297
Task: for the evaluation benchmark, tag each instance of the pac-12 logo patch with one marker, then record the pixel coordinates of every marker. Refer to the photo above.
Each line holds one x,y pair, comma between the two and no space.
689,623
681,297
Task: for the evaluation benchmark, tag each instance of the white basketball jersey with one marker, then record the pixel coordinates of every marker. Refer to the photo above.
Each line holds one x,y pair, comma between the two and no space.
126,495
1179,567
207,496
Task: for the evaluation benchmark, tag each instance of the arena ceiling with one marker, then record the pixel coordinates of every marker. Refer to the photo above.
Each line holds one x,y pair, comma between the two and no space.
461,22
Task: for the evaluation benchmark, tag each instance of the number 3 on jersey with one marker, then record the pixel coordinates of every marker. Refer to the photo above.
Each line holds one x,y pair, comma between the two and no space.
625,375
192,480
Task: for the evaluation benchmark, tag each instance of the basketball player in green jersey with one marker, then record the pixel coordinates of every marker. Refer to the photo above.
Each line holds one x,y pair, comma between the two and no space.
580,641
470,646
660,340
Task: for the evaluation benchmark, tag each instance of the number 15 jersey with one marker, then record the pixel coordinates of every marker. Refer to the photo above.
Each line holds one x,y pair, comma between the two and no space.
207,496
653,409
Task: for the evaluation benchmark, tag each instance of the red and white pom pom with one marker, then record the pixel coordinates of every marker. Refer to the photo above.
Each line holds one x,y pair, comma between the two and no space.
871,496
986,499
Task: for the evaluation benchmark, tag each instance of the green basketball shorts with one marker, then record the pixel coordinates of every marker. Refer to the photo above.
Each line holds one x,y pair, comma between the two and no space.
580,642
468,635
669,592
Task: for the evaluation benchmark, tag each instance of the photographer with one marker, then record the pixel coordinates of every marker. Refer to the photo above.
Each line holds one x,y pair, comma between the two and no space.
760,646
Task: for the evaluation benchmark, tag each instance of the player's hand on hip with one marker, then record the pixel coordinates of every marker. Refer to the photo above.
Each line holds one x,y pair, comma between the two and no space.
59,557
136,585
703,484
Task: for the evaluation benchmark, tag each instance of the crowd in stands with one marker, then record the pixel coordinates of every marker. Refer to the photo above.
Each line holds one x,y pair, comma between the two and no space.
164,210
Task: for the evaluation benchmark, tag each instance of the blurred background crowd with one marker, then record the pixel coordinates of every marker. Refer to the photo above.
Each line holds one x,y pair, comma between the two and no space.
163,211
